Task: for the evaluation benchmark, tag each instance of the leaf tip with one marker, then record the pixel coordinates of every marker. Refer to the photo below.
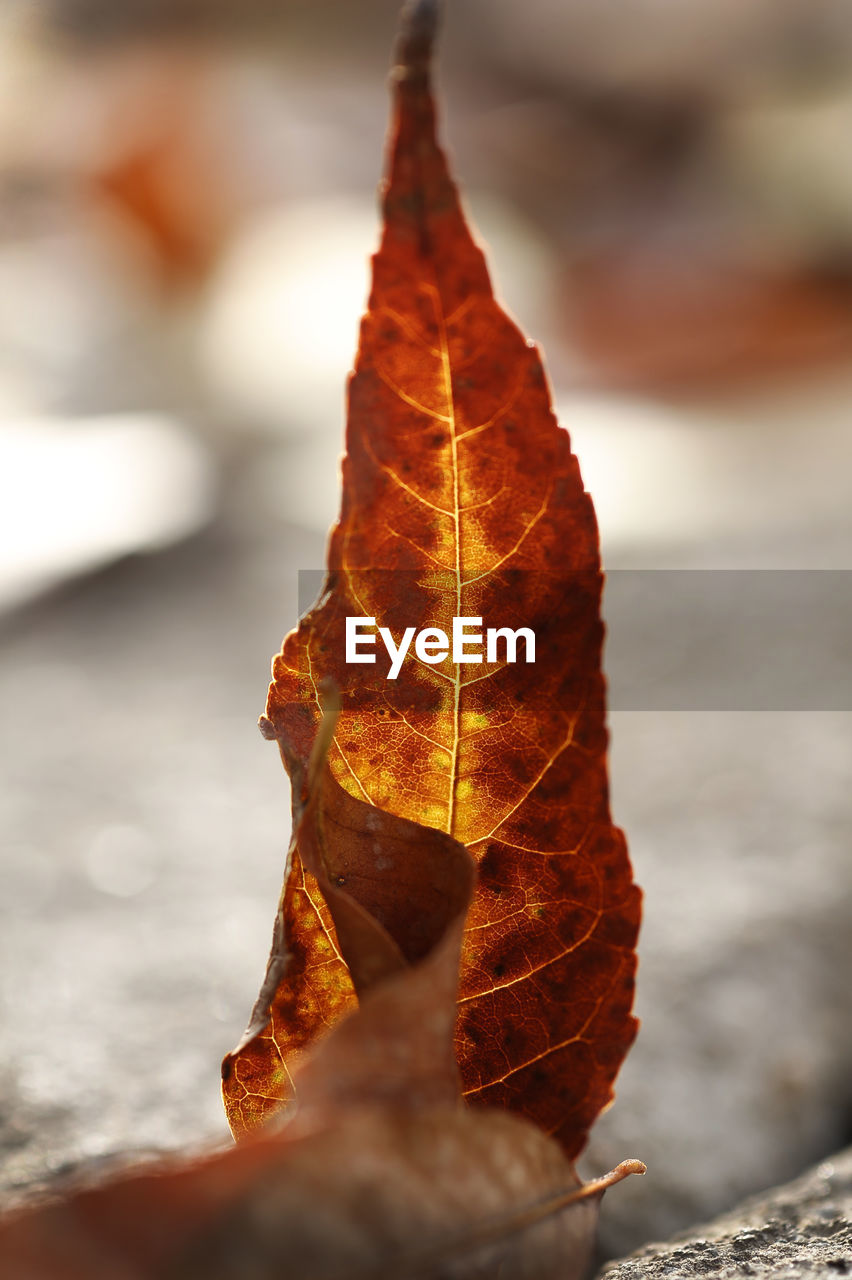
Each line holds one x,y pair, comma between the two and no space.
417,28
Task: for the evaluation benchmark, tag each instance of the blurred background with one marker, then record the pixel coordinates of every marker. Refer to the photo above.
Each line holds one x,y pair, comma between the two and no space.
187,205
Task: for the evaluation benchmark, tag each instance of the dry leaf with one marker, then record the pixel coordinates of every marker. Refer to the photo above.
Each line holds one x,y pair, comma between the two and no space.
437,1194
461,498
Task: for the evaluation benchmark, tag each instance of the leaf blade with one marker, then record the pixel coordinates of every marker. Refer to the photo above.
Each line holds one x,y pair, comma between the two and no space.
462,498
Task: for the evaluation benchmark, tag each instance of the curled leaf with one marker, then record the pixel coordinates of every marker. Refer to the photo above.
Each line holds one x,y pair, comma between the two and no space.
385,893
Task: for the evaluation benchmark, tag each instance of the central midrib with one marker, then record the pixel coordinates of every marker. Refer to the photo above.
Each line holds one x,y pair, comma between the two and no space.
451,414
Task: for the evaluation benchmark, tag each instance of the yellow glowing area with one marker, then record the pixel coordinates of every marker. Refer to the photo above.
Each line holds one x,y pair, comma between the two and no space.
473,721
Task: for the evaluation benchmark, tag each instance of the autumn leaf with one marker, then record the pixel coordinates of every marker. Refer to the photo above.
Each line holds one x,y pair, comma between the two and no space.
461,499
380,1171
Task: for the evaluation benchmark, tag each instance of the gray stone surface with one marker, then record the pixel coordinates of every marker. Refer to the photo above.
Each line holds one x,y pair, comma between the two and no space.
798,1231
144,825
741,1075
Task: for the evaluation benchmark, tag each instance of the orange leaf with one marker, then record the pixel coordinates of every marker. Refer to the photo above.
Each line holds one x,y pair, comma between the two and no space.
461,498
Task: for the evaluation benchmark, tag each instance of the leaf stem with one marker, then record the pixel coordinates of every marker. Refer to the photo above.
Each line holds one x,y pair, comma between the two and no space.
555,1204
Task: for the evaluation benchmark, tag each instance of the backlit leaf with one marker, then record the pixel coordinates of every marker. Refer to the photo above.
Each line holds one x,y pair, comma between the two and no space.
461,498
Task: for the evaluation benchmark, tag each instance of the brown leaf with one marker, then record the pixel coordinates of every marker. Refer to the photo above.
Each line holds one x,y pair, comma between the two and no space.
461,498
434,1194
438,1193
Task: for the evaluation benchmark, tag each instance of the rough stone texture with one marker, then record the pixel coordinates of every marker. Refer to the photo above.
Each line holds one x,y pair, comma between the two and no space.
801,1230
